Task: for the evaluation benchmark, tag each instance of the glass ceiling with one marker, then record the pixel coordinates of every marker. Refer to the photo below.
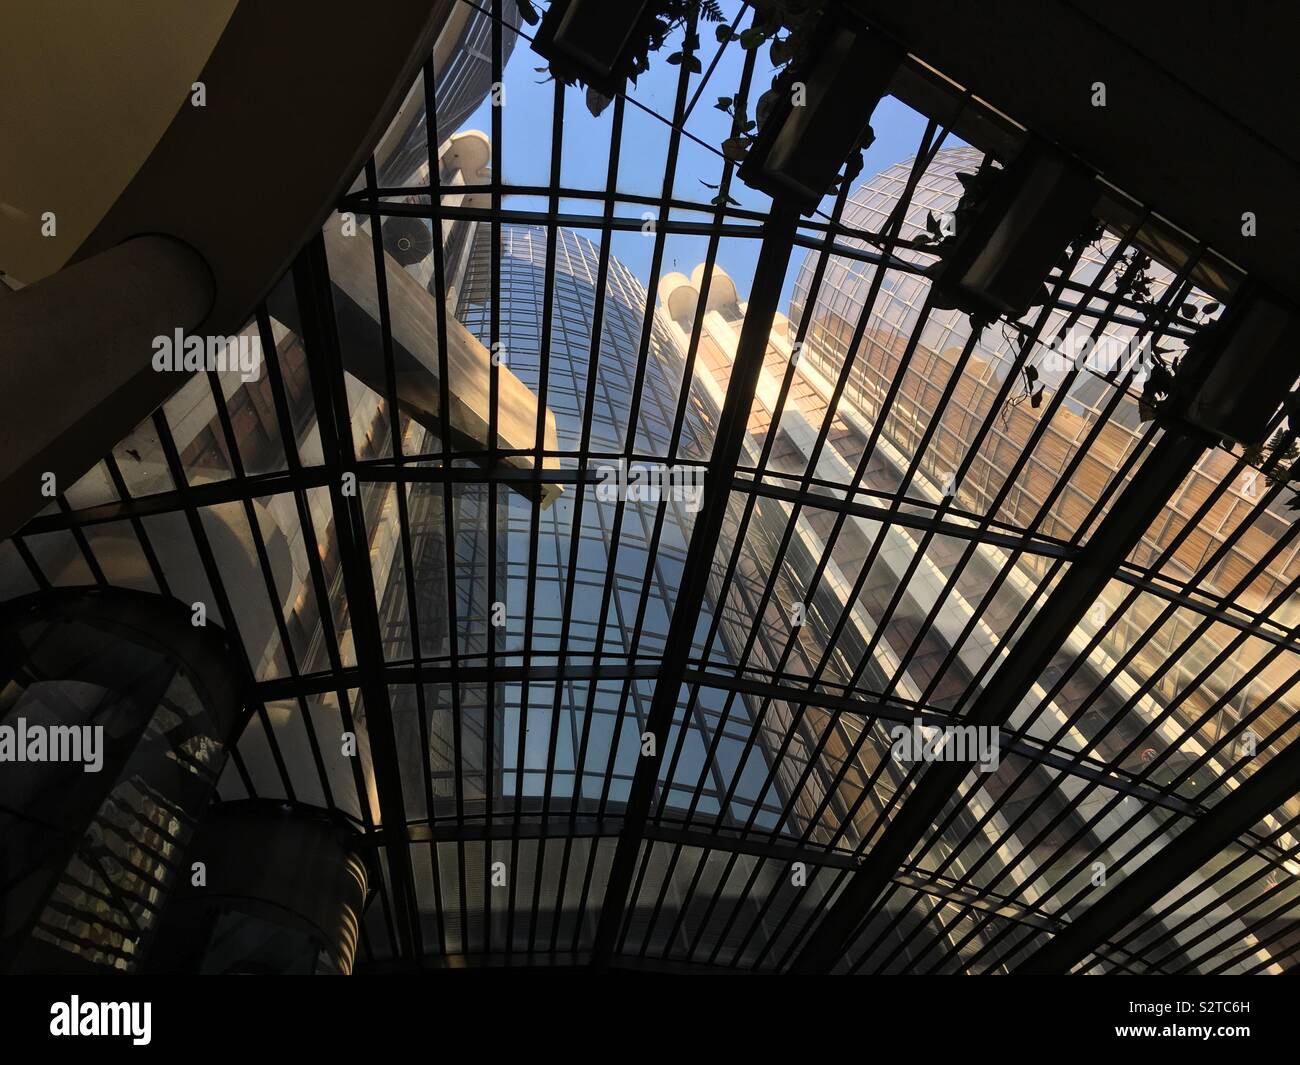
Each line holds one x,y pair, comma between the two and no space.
405,521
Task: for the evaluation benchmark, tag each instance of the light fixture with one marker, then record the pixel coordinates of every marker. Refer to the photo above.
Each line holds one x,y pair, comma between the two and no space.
589,41
1000,260
822,108
1239,368
408,240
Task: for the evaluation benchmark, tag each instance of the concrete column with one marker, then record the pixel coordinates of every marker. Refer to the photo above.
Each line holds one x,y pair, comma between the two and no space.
76,370
283,893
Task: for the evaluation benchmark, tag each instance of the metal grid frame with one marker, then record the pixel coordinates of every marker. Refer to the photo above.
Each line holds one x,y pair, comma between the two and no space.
622,854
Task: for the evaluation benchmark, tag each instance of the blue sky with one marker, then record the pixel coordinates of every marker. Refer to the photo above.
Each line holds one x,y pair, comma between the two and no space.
526,148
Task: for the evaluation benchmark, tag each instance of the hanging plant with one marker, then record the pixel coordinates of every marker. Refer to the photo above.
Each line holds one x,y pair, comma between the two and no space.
940,238
1135,284
1159,384
788,28
975,188
656,24
1283,450
1031,392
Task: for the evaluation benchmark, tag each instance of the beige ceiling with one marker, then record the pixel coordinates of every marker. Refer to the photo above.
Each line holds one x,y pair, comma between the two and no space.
86,90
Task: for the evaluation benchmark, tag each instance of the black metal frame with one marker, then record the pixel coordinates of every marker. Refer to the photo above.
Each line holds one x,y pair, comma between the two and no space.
873,896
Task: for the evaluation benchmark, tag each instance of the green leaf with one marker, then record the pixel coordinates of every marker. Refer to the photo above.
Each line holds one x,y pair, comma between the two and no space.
675,58
693,64
724,103
735,148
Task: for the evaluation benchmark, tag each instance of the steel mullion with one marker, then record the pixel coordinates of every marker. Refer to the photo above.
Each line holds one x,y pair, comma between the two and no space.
83,545
430,133
268,579
137,526
683,399
893,226
866,567
680,409
315,298
1165,714
29,560
1252,926
1245,680
611,182
213,575
1028,605
314,568
494,399
727,585
1259,796
1261,945
1043,546
400,489
867,794
1224,741
448,496
891,229
932,915
1056,758
1142,844
719,729
868,564
1184,949
1011,629
1171,930
546,318
1105,317
768,277
1222,612
704,229
242,770
1150,487
1040,431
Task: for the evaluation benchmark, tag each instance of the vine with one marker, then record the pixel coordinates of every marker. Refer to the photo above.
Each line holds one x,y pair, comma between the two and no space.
656,24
